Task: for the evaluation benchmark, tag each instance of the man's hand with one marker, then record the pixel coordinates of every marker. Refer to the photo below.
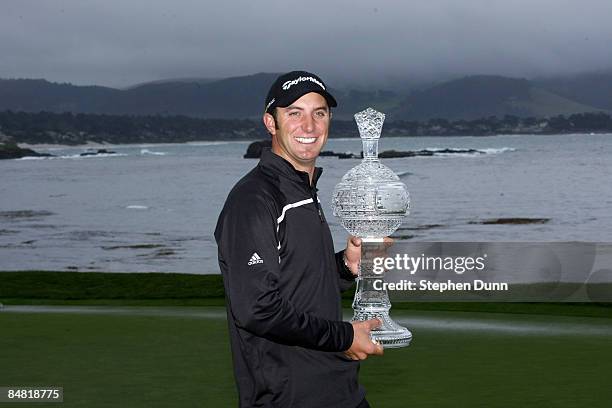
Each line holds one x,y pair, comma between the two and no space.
352,254
363,346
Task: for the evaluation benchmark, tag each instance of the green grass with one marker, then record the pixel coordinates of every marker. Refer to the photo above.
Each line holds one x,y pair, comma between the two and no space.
174,289
105,285
215,301
553,309
156,361
119,361
487,370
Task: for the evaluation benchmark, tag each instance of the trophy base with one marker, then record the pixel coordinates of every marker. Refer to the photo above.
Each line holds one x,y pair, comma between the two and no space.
389,334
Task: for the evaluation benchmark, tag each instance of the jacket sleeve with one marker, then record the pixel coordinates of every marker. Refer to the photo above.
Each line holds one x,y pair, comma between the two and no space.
249,259
346,276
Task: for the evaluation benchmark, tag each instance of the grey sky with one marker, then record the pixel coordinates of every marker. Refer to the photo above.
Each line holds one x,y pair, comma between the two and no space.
119,43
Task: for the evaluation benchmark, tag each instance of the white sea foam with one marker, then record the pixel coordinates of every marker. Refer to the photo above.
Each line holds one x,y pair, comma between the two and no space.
137,207
74,156
217,143
99,155
468,155
454,151
493,150
33,158
152,153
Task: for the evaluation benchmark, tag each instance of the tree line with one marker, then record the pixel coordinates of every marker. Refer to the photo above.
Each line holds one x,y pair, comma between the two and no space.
69,128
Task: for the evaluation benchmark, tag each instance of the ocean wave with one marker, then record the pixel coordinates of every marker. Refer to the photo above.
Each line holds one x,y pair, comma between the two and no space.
137,207
33,158
78,156
73,156
218,143
476,154
467,151
152,153
493,150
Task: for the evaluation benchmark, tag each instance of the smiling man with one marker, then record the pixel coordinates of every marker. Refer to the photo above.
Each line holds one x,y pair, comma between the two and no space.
298,122
282,278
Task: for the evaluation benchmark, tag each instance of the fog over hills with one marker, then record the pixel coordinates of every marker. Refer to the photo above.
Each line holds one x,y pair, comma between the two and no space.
481,96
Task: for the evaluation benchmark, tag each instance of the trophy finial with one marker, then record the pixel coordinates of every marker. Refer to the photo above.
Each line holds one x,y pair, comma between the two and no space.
370,123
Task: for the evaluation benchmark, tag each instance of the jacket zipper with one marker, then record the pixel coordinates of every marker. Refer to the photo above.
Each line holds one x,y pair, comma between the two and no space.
313,193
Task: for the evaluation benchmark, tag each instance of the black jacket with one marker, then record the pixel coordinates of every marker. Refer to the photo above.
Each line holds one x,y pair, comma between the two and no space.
282,283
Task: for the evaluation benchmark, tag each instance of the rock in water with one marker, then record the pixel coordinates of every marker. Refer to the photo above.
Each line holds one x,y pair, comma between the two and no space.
92,152
10,150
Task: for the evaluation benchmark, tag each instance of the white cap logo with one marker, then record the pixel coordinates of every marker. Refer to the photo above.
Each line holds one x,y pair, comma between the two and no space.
270,103
289,84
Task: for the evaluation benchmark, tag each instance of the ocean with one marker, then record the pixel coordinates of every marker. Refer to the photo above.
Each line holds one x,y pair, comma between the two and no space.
153,208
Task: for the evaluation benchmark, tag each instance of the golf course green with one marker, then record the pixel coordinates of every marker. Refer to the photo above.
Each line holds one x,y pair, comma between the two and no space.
163,352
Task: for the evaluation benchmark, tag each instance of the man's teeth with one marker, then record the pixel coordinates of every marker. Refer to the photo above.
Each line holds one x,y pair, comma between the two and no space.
306,140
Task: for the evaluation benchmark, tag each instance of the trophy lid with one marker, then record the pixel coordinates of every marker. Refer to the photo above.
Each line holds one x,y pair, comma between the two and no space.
369,123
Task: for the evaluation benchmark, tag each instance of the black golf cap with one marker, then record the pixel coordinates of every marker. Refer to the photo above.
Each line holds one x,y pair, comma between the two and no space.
293,85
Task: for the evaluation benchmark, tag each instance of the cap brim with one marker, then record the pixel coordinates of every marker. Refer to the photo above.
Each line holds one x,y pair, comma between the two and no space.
331,101
289,99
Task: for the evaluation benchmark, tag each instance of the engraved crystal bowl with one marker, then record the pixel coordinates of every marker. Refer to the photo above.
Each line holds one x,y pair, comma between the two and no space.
370,200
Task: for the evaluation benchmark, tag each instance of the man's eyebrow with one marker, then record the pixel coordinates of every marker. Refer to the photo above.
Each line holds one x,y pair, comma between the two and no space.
324,107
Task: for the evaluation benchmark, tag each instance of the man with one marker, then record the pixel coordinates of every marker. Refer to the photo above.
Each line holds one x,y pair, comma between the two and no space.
282,279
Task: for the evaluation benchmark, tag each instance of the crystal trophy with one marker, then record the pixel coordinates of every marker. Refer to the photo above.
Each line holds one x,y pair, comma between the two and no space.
371,202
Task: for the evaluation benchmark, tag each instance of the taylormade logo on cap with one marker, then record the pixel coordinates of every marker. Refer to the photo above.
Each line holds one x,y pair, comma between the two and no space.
289,84
270,103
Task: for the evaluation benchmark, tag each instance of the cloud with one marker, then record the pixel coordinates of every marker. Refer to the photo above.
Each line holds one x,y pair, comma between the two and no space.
118,43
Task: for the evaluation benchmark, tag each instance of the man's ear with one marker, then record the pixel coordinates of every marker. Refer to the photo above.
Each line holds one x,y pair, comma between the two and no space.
269,123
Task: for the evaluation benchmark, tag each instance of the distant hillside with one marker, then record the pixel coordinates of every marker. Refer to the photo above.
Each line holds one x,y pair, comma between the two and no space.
35,95
242,97
238,97
483,96
230,98
593,89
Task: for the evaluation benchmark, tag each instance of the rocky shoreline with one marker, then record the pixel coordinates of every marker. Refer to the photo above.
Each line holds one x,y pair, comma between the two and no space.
254,152
10,150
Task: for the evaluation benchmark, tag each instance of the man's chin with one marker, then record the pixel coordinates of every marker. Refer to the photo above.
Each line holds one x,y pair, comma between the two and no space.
310,155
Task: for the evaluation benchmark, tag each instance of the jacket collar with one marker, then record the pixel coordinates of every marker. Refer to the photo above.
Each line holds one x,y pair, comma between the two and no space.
275,165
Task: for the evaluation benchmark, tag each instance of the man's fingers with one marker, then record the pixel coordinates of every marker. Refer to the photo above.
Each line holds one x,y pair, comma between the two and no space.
363,344
388,242
374,323
379,350
355,240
